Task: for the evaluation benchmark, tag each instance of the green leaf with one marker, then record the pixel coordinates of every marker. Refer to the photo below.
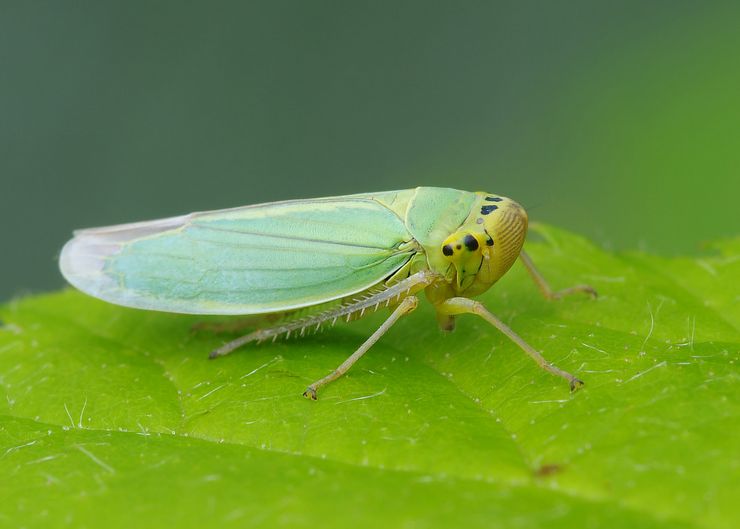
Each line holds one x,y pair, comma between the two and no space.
114,417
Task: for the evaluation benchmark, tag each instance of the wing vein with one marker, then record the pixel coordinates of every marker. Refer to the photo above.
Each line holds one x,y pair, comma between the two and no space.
287,237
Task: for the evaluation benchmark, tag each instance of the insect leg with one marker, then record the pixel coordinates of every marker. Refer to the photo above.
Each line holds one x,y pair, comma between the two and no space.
454,306
544,286
407,305
349,310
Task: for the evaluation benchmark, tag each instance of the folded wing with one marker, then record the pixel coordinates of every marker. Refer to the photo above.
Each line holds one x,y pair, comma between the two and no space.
250,260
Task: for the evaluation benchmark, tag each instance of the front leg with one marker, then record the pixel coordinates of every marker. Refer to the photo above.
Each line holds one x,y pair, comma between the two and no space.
460,305
544,286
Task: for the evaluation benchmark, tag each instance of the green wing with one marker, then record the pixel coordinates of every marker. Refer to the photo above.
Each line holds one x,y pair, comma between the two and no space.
256,259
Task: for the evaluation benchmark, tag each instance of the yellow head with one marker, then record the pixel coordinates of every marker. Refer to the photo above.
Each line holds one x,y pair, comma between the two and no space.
486,244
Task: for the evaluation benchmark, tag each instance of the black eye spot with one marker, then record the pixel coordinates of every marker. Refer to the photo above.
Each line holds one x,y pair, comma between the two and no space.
485,210
489,241
471,243
494,199
447,250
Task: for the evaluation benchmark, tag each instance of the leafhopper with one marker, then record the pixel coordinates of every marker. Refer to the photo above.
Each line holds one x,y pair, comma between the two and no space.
316,261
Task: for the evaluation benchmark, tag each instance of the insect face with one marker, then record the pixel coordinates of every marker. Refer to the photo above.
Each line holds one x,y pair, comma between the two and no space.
465,252
486,245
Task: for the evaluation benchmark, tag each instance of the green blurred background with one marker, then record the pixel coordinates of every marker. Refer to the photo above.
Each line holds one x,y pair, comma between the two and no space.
620,121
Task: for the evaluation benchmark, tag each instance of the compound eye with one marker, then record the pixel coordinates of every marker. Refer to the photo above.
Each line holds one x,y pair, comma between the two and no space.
447,250
471,243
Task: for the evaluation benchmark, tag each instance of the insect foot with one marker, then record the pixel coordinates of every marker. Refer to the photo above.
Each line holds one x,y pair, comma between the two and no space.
310,393
575,384
586,289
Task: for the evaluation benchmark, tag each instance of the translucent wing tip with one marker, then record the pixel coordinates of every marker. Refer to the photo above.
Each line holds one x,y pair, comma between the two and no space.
82,262
83,259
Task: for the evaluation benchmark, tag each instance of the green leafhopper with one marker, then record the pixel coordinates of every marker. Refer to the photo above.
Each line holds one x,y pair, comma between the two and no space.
336,257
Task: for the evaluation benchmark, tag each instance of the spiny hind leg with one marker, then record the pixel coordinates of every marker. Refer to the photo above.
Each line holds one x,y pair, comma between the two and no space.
545,287
298,326
407,305
455,306
353,309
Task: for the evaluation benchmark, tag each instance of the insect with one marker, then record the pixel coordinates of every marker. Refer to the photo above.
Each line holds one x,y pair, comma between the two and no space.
339,257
